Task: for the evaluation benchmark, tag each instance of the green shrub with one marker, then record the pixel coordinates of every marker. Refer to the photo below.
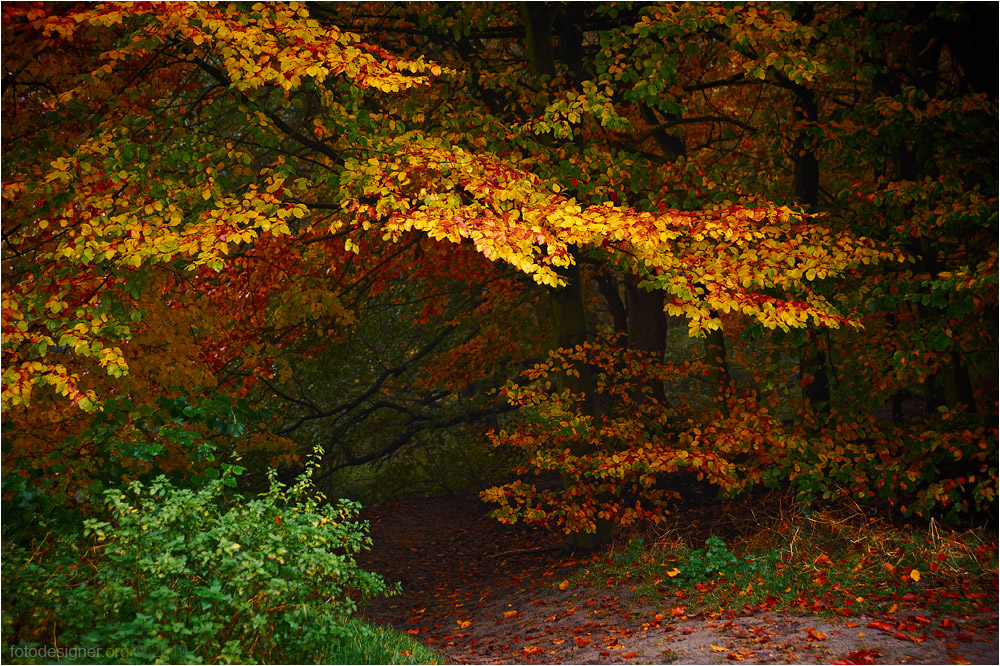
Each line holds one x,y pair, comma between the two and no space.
716,559
193,576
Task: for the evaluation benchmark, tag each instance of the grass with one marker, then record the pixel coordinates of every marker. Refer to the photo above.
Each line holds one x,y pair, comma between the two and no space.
828,563
373,644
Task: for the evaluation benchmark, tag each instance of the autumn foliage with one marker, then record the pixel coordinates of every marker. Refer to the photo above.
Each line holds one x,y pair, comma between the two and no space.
234,232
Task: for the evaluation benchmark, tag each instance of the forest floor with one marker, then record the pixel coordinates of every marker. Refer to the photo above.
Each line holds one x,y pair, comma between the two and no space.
481,592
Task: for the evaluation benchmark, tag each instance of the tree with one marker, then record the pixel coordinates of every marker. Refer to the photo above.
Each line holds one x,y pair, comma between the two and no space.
261,198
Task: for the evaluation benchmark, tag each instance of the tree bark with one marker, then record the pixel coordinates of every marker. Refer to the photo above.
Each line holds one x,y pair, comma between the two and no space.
647,327
812,355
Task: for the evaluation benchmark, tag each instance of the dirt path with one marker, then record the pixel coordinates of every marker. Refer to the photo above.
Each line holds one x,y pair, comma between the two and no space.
481,592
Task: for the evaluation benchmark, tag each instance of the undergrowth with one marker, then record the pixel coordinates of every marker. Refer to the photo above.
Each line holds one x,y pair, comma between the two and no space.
179,575
823,563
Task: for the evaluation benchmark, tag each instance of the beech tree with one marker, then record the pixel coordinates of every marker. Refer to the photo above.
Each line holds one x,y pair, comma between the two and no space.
349,214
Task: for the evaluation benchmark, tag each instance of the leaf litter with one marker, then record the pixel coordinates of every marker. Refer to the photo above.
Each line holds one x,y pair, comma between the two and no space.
481,592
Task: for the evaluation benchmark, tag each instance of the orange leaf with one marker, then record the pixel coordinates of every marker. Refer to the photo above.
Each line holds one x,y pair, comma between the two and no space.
464,624
510,613
630,655
563,585
533,649
677,612
816,634
558,641
716,648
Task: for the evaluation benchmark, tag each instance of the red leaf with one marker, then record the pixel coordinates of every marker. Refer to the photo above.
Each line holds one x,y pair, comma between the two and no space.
860,657
882,625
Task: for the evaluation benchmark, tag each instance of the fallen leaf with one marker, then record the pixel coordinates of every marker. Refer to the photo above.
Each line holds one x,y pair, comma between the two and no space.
672,572
563,585
660,617
630,655
678,611
464,624
915,575
816,634
510,613
860,657
558,641
716,648
882,625
533,649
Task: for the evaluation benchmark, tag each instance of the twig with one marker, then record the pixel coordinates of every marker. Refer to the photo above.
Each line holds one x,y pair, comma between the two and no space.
524,551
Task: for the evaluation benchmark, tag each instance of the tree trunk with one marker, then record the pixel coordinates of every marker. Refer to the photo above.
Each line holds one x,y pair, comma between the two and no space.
812,356
715,356
647,327
569,320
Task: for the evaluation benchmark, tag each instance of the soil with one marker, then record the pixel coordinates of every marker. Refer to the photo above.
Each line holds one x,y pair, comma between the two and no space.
481,592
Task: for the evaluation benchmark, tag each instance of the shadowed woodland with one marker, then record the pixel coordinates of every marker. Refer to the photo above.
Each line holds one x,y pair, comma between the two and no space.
509,332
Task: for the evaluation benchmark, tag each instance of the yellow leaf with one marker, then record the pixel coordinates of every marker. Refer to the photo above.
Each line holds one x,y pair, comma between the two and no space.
673,572
464,624
510,613
716,648
915,575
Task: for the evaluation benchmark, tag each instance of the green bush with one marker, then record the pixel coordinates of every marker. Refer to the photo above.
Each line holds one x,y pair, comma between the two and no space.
193,576
716,559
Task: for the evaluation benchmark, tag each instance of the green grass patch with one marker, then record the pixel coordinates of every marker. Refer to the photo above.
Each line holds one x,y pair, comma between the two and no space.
819,564
373,644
